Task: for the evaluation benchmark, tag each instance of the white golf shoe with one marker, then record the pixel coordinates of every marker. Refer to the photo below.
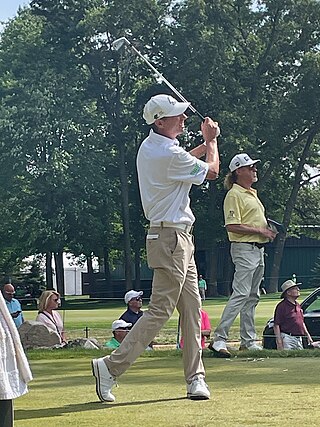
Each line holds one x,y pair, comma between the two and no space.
104,380
198,389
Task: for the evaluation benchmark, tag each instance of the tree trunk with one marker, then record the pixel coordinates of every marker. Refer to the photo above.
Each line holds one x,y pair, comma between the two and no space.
58,260
91,277
125,215
280,241
228,271
49,272
106,266
137,266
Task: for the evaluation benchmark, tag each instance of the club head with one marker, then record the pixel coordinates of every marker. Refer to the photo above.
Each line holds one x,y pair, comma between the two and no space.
117,44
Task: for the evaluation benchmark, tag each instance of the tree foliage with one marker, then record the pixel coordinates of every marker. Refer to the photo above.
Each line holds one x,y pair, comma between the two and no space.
70,114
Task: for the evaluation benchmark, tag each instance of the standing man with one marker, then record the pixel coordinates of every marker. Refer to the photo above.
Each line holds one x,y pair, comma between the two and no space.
248,233
289,326
202,284
13,304
166,173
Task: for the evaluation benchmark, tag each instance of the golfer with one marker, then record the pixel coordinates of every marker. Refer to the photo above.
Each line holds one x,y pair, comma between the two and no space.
248,233
166,173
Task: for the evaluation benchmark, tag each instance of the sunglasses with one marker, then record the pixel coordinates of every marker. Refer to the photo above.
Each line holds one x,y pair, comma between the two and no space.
56,300
138,299
249,167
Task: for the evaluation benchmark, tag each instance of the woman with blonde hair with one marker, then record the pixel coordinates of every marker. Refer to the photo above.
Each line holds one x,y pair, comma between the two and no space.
48,315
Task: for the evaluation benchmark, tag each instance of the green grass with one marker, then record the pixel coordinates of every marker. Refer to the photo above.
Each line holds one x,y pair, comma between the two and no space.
267,388
99,320
246,391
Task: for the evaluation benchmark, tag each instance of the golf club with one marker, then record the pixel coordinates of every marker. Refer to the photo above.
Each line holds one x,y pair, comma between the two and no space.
117,44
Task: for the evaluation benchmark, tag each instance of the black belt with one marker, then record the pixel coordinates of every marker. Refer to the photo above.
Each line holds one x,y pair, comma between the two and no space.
258,245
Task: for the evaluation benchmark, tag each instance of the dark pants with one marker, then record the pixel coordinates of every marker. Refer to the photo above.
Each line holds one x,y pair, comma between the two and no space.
6,411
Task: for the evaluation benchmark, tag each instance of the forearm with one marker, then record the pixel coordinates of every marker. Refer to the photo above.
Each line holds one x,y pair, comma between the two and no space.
310,340
199,151
277,334
213,159
248,229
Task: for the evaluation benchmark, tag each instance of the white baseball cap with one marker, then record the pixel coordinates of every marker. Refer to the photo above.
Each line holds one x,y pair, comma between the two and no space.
241,160
160,106
120,324
132,294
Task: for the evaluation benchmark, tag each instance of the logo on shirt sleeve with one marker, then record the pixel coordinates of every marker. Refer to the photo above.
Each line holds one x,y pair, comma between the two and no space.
196,169
231,214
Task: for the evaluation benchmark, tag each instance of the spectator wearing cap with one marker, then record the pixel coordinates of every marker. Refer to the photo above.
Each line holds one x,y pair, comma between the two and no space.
13,304
133,299
120,328
248,232
166,173
289,326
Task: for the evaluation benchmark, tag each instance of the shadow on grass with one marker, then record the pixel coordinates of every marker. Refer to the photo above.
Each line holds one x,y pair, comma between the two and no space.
27,414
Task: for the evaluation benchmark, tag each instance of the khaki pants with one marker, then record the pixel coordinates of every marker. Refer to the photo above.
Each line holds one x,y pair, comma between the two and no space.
249,269
291,343
170,252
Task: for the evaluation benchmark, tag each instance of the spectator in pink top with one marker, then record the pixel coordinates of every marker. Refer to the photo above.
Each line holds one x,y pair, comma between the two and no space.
205,329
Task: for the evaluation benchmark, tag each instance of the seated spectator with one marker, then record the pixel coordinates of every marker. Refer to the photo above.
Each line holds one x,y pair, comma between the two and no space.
133,299
13,305
48,315
120,328
289,326
205,329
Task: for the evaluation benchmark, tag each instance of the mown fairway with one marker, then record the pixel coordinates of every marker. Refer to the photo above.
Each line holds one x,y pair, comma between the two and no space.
266,388
245,392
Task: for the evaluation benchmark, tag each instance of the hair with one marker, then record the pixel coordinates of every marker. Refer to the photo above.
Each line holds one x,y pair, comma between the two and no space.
230,179
44,298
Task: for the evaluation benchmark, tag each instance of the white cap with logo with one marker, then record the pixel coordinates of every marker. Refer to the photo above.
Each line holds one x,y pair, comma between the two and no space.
120,324
241,160
160,106
132,294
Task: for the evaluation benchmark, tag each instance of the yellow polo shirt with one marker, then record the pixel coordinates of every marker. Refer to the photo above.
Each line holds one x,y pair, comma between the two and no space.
242,206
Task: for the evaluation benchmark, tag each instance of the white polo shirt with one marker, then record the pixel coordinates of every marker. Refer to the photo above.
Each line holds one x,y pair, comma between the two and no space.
166,173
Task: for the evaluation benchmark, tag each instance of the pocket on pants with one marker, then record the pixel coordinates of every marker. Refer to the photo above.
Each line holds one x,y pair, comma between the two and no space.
160,250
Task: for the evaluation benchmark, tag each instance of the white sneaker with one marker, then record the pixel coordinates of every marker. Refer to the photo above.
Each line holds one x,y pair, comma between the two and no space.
104,380
198,389
252,347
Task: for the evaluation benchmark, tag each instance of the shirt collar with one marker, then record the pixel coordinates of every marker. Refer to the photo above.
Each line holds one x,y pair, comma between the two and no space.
244,190
156,137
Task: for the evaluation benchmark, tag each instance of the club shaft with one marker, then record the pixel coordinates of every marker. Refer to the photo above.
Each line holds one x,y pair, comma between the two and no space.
174,90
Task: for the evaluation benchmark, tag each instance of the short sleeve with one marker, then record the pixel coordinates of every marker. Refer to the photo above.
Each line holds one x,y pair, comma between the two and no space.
187,168
232,210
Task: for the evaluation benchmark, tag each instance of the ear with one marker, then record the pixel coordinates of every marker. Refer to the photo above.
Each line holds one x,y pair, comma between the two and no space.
159,123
